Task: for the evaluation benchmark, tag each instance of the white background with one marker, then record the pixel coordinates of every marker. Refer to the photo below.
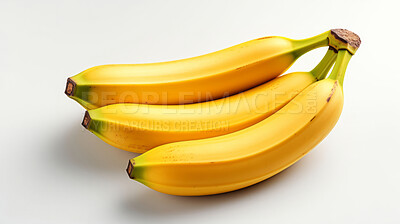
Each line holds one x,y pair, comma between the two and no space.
54,171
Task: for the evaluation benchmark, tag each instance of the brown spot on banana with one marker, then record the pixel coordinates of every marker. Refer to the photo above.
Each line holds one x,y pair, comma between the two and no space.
332,91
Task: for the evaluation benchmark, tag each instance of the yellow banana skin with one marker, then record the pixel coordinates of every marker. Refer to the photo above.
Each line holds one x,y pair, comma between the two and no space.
198,79
139,127
239,159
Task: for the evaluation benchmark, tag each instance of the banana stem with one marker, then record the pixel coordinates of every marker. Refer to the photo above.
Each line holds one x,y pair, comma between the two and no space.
339,70
305,45
321,70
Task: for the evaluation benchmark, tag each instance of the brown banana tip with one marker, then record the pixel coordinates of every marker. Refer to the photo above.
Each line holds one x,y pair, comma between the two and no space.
129,169
347,36
70,87
86,120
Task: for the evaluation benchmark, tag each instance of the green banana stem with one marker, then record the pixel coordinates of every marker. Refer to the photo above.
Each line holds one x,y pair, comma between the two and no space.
321,70
339,70
305,45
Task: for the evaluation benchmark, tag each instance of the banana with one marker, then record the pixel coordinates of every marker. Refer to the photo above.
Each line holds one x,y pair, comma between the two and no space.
248,156
197,79
140,127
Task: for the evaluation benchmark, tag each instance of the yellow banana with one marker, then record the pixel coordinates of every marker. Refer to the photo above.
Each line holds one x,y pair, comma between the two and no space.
140,127
196,79
239,159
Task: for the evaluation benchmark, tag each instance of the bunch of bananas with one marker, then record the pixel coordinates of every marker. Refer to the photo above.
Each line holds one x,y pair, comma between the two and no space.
221,121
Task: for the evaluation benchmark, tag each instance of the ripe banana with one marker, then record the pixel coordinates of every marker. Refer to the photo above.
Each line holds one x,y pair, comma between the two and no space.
196,79
239,159
140,127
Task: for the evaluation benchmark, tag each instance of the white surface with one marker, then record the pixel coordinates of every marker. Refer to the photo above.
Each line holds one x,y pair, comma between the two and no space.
54,171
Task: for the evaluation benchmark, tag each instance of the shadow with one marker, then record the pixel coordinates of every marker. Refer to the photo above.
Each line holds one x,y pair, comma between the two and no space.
150,203
76,148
